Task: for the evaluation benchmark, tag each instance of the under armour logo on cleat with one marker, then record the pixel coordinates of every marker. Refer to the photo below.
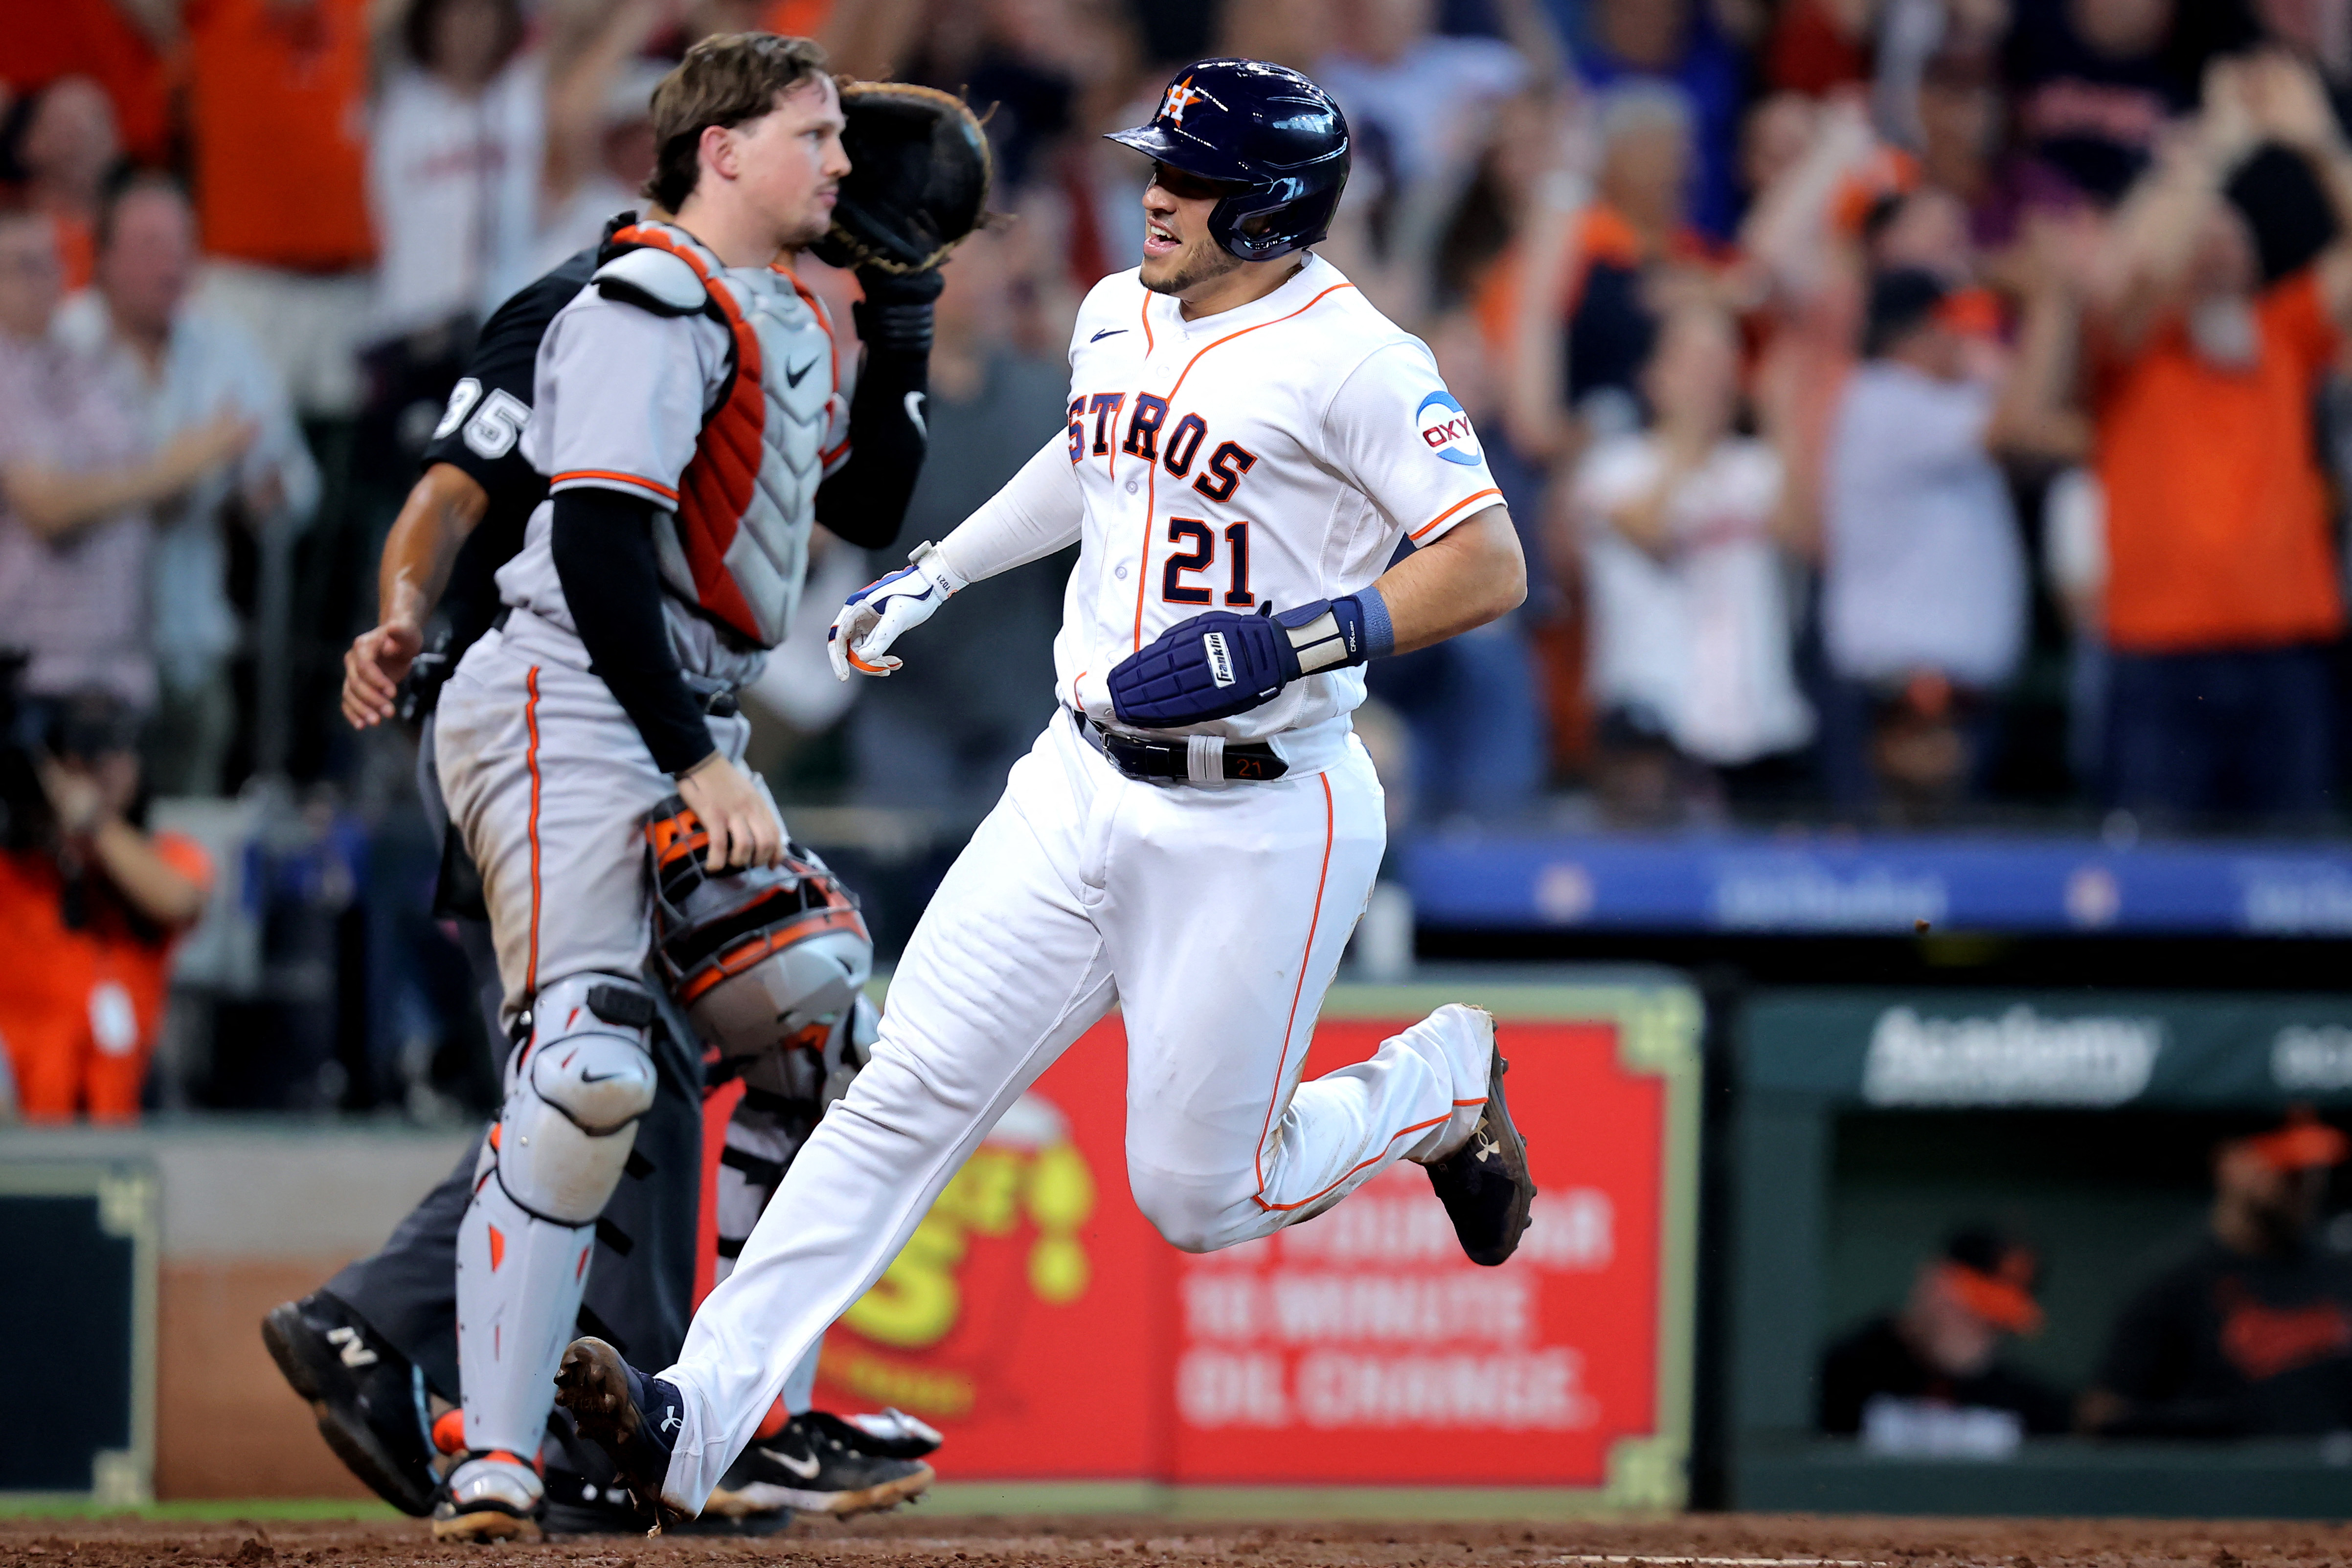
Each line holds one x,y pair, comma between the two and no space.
1106,332
355,1353
1487,1145
793,378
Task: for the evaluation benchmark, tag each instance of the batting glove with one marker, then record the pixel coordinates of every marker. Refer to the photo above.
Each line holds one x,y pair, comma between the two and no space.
1218,665
877,614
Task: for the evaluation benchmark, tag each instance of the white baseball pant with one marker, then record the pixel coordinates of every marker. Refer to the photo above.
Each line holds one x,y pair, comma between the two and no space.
1214,916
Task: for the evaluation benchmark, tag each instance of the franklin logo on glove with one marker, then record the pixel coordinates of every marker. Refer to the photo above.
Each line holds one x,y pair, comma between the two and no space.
1220,663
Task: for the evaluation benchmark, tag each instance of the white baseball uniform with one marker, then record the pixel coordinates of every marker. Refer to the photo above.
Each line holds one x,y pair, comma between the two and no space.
1273,453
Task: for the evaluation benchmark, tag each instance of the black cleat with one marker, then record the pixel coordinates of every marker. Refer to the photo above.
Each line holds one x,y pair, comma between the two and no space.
366,1396
818,1464
632,1418
1485,1183
585,1498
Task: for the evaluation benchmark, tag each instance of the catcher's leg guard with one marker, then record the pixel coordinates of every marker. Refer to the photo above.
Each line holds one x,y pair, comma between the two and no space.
574,1093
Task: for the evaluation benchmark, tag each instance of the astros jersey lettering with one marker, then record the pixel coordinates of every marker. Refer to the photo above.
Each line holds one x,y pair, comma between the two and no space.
1271,455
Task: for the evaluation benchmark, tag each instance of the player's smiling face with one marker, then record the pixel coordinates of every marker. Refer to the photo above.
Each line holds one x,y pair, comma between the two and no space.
791,162
1179,253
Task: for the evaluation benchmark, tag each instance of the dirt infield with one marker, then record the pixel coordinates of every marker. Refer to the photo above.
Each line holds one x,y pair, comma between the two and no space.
1719,1540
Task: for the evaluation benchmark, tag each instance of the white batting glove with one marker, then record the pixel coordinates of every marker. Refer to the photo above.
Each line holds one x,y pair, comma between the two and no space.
877,614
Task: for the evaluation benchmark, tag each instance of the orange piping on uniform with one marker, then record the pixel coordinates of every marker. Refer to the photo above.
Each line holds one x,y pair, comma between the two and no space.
568,474
531,760
1458,506
1152,497
1290,1027
1404,1132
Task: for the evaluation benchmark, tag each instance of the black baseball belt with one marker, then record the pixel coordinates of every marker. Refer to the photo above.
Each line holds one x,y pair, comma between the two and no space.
1181,758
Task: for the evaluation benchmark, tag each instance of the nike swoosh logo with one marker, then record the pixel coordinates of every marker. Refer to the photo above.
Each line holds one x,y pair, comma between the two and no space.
1106,332
915,414
793,378
597,1077
804,1468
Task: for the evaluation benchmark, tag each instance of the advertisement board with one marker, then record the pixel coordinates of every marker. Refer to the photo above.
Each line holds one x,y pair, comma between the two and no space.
1039,1321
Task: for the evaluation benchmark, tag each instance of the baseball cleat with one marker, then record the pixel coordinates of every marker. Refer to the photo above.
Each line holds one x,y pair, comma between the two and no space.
892,1434
632,1418
1485,1183
818,1464
363,1393
489,1497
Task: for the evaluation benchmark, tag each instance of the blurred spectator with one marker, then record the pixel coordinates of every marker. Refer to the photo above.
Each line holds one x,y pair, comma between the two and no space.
1474,714
120,44
2250,1335
944,731
93,905
2222,590
1685,43
2094,81
176,369
455,151
1692,630
1942,1350
1417,99
621,146
1924,581
64,147
277,116
75,532
1605,271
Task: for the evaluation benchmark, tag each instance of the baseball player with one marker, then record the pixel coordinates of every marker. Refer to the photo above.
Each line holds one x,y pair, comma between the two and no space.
367,1350
1194,836
685,411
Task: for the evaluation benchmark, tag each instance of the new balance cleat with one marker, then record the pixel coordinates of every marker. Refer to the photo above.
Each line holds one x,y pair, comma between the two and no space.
818,1464
493,1496
367,1398
1485,1183
632,1418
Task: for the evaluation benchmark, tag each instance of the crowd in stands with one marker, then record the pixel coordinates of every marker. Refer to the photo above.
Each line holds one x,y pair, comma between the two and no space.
1914,409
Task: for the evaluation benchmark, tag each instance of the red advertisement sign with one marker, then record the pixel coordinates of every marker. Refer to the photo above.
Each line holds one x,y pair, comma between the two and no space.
1035,1302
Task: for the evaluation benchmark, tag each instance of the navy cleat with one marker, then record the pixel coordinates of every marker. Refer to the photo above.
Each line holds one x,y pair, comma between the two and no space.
632,1418
367,1397
1485,1183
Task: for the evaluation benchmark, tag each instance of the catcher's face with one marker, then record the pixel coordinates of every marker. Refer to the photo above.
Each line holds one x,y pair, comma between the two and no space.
1179,256
790,162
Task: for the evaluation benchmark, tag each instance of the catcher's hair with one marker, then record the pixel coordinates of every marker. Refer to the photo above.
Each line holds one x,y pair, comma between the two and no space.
724,80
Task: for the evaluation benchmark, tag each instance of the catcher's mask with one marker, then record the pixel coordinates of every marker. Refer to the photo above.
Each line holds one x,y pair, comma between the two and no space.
762,959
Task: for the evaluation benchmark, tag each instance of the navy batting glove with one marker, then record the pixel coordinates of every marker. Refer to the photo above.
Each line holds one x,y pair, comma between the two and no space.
1218,665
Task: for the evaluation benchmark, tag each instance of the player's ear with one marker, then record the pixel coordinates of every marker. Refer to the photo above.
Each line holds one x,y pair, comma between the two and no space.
717,150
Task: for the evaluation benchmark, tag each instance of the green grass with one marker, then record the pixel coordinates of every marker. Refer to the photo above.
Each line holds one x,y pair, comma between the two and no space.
38,1505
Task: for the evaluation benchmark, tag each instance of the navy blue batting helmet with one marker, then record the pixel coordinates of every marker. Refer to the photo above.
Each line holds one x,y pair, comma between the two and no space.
1274,138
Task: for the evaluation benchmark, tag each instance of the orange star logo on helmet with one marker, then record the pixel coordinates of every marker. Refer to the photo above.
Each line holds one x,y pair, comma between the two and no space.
1180,97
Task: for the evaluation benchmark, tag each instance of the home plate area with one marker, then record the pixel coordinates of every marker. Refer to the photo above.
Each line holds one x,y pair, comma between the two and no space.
1703,1541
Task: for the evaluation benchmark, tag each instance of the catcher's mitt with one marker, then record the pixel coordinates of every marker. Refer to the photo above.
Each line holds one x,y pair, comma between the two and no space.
919,177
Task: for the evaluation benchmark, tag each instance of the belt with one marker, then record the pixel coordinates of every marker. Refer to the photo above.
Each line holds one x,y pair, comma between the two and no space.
715,698
1193,759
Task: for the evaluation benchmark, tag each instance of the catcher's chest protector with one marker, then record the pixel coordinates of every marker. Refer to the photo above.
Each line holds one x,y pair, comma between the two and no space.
738,544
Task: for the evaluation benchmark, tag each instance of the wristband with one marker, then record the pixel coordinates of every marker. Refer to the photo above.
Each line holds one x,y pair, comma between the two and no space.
1334,634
